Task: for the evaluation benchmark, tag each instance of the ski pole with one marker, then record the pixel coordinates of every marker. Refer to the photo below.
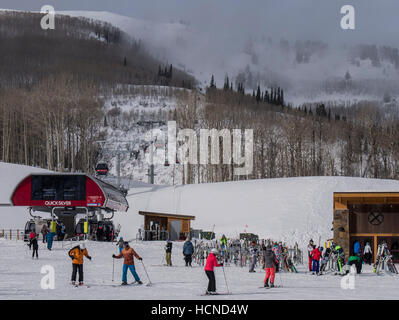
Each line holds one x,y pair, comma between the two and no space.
224,274
145,270
113,268
281,281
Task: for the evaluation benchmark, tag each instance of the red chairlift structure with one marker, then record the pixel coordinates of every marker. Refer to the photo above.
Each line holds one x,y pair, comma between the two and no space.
68,194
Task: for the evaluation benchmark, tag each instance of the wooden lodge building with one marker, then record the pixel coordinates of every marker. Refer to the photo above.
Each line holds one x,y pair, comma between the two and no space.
371,217
162,226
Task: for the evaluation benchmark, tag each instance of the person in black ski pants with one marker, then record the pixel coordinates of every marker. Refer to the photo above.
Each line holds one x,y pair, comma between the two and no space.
35,246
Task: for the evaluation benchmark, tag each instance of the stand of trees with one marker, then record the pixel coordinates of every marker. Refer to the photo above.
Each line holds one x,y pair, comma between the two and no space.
308,141
50,81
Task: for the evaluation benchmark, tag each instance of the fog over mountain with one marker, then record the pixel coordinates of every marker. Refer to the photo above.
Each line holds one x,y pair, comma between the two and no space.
297,45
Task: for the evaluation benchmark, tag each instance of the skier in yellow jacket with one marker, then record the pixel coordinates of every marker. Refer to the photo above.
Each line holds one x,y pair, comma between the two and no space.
76,254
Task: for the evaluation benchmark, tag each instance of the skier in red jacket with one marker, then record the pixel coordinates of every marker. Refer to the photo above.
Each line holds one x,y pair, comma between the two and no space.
32,235
316,254
211,262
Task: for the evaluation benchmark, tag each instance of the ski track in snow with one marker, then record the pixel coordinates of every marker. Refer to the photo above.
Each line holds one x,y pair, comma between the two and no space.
20,278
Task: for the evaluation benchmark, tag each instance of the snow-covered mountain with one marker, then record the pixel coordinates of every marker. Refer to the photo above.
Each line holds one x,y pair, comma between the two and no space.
309,71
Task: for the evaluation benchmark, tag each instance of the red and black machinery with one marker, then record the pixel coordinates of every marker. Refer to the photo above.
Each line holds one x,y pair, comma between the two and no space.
67,195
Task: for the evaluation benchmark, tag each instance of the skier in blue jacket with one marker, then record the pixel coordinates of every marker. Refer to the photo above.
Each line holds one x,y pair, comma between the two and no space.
188,250
49,238
356,248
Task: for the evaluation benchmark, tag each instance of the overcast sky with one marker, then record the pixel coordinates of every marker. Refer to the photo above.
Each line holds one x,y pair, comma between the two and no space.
376,21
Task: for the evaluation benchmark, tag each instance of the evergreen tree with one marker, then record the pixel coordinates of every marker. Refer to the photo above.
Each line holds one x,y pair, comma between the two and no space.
226,85
258,94
278,98
212,84
266,97
170,73
272,98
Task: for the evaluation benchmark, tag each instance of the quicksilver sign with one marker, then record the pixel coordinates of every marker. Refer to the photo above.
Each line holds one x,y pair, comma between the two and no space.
57,203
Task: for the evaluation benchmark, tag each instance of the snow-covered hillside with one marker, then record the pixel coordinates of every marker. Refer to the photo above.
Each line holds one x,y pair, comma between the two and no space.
290,209
127,131
10,176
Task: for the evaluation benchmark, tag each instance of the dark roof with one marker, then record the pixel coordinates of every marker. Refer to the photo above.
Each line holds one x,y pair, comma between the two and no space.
145,213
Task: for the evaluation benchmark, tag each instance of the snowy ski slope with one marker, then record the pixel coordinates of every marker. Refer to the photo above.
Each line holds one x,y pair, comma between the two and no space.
288,209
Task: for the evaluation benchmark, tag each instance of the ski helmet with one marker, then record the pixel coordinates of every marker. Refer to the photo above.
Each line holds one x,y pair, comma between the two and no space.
126,244
82,246
214,251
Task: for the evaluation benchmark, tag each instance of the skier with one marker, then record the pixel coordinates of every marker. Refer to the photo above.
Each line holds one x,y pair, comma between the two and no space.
188,250
310,249
120,244
128,254
99,233
357,261
168,251
44,232
49,239
211,262
31,236
367,253
76,254
35,246
62,232
316,254
263,249
270,266
356,248
324,260
340,257
253,252
276,252
223,243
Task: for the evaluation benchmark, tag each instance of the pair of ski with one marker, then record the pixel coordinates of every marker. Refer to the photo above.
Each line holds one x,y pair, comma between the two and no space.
77,285
216,294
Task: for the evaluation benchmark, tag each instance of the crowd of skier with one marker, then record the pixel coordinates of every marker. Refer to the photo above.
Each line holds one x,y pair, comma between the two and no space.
271,256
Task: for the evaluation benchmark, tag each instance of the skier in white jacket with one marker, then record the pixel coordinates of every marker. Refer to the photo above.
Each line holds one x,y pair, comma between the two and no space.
367,253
